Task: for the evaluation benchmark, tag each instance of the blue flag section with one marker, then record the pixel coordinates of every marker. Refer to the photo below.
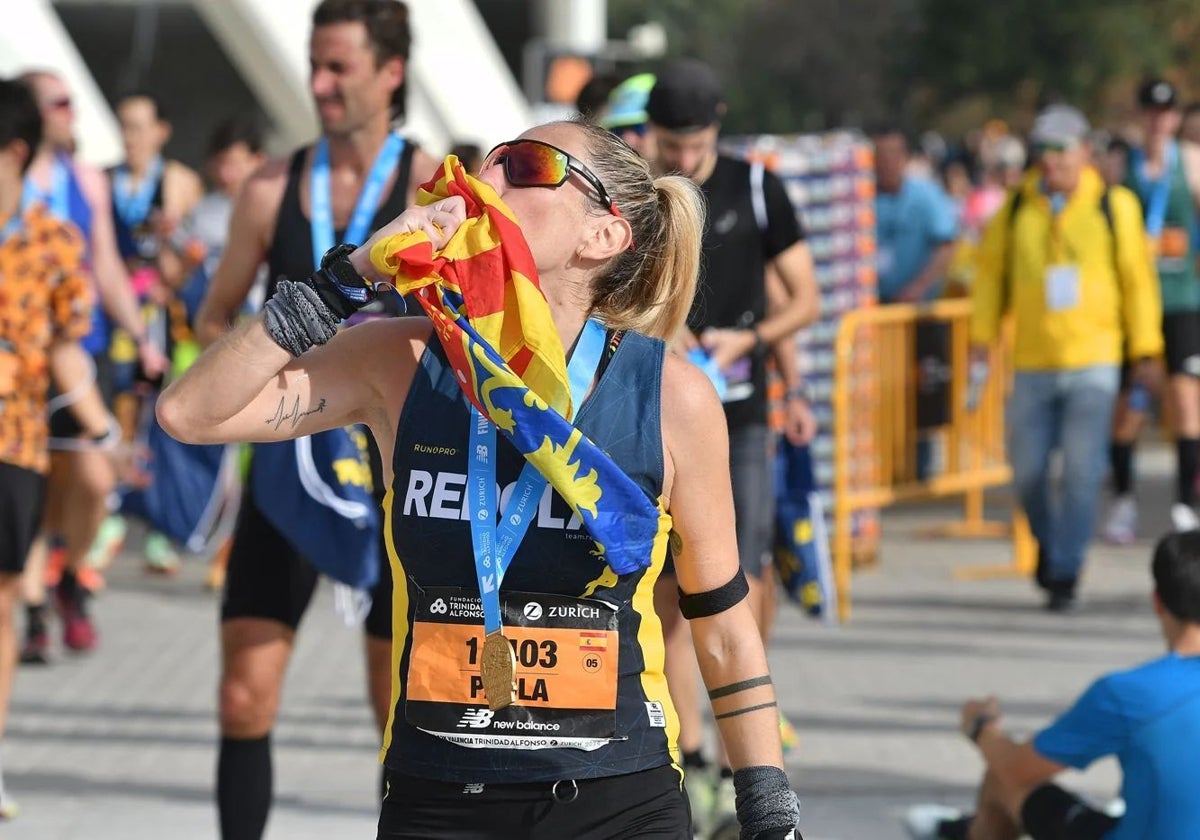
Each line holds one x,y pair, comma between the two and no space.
317,492
801,541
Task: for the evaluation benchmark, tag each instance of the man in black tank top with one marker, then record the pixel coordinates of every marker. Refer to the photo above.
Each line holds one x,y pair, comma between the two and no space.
358,54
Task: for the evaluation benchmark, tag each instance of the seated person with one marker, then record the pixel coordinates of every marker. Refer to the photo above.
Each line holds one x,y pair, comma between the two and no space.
1147,717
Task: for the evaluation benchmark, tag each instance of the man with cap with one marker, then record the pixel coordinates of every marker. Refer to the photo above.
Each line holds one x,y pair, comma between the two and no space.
625,114
1067,256
751,230
1157,173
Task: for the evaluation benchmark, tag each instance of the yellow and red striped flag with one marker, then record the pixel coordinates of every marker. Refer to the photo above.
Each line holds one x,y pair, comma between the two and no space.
482,293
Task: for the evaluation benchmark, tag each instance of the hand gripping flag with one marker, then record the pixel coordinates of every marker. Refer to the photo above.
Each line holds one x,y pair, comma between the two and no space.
482,293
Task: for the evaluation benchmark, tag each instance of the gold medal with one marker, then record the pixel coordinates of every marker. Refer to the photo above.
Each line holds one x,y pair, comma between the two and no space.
497,669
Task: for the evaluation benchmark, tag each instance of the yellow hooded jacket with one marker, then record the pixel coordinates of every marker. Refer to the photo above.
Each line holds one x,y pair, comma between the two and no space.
1118,310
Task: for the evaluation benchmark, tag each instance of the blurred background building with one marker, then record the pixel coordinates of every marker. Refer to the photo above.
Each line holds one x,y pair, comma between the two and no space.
208,59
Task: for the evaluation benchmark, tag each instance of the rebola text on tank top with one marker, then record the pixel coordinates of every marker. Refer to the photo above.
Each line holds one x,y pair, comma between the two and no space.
442,496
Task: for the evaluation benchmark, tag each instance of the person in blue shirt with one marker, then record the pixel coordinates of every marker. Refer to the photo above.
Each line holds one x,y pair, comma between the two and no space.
1147,717
916,226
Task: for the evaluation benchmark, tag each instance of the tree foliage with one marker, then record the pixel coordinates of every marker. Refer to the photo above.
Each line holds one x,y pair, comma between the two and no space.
792,66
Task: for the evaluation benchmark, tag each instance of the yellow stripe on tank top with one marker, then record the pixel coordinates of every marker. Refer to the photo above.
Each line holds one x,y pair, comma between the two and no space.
650,636
399,617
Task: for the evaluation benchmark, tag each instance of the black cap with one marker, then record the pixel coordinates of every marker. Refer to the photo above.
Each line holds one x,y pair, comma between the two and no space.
1157,93
686,96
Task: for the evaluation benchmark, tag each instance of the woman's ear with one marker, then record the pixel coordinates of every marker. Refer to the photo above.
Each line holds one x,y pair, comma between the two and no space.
608,239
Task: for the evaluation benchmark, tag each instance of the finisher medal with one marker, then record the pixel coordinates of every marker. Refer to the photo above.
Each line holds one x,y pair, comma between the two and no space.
497,669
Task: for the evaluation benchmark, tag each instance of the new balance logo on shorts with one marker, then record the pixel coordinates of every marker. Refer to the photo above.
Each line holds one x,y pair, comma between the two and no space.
476,719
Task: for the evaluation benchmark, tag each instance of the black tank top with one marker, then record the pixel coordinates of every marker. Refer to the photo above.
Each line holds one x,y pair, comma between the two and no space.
290,256
592,698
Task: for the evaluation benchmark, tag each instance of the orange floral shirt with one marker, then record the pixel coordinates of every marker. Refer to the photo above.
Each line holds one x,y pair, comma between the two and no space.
45,296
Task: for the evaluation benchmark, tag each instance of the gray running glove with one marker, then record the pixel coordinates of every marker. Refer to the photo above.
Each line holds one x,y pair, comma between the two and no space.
767,809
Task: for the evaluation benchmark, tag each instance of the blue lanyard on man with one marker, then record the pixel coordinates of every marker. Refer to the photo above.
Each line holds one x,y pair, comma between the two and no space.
1159,190
133,205
57,198
321,224
495,544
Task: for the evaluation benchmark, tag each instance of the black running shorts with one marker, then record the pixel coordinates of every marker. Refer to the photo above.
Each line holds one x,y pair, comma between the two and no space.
22,495
1051,813
649,805
1181,341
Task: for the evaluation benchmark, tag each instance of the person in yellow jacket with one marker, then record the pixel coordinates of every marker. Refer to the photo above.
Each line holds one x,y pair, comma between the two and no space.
1068,258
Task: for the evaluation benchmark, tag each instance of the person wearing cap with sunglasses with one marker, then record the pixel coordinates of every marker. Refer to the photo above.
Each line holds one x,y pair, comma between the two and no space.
616,253
1157,173
1067,257
359,175
752,234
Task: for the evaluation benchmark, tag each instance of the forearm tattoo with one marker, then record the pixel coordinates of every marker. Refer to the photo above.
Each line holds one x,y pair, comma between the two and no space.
734,688
282,415
745,710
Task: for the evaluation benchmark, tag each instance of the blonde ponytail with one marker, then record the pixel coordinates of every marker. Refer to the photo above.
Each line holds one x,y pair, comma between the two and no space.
648,289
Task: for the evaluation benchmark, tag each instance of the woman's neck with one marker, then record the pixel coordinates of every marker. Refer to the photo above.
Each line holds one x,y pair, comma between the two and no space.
567,310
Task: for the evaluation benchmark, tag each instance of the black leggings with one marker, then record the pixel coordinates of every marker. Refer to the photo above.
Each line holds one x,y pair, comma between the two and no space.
650,804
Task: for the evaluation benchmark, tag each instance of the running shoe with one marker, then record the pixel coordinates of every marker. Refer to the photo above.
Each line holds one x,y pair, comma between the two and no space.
1183,518
698,785
161,557
79,633
107,545
35,650
1120,528
787,734
935,822
90,579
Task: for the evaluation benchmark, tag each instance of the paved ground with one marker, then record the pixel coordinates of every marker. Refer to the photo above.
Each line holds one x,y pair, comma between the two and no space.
120,745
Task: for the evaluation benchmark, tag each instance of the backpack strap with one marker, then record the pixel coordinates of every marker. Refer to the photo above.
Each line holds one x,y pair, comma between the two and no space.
757,198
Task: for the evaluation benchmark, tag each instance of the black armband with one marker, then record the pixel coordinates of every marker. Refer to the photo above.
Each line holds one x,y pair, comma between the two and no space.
704,604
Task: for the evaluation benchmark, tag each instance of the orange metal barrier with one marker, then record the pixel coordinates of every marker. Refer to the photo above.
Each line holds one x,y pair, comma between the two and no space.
875,433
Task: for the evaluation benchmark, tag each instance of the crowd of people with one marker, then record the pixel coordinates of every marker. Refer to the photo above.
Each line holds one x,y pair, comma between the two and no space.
661,287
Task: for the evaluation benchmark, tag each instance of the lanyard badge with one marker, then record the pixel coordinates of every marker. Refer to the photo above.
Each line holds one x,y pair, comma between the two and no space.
495,544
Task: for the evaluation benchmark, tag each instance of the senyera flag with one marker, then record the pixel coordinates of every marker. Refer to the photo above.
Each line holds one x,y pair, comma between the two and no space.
482,293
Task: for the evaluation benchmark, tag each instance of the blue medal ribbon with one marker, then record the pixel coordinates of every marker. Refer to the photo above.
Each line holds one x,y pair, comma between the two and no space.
57,198
133,206
1157,192
320,197
496,543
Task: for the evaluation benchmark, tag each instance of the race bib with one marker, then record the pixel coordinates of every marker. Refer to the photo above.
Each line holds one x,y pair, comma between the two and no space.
566,651
1173,243
1062,287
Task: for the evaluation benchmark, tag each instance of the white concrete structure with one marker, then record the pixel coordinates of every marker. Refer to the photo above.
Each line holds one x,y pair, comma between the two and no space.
33,37
459,85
